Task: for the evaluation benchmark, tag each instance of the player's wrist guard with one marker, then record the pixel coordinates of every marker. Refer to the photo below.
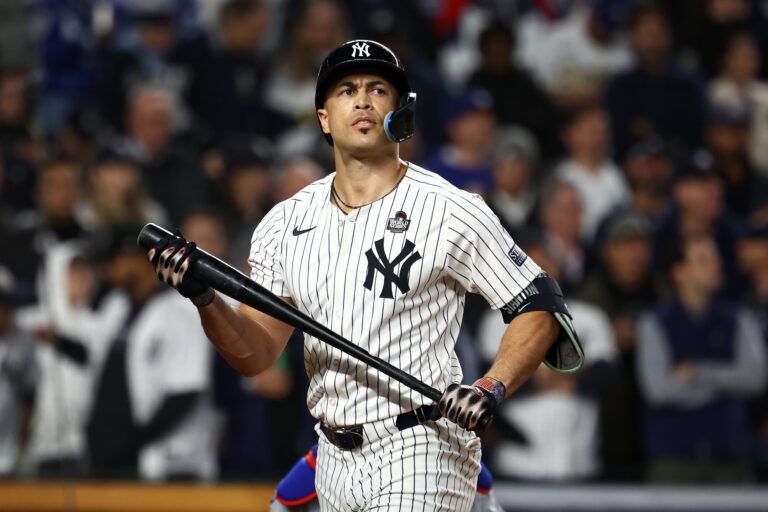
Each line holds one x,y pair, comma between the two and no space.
492,388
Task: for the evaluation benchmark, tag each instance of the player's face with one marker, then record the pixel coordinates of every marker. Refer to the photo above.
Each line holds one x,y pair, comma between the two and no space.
355,110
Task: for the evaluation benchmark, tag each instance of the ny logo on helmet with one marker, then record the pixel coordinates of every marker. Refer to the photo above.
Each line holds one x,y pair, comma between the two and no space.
360,49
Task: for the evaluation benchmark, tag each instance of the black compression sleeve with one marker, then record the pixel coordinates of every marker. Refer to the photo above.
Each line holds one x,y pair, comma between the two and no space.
73,349
171,412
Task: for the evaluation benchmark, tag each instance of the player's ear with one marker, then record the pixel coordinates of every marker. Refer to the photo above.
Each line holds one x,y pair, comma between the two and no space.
322,116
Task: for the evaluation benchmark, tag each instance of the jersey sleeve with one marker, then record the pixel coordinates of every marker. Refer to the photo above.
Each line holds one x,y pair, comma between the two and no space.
265,254
481,255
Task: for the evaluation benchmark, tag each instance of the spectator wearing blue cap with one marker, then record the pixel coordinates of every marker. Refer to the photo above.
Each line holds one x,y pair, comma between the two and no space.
649,169
465,160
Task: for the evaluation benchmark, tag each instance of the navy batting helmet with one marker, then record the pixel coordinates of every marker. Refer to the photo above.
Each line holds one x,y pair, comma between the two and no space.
365,54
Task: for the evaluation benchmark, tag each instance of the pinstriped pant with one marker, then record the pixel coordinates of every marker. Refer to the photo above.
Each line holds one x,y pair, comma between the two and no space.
425,468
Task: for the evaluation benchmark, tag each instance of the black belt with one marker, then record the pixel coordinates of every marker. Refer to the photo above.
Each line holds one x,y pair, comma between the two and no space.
350,438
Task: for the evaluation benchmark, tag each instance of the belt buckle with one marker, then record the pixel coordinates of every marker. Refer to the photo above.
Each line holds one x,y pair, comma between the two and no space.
347,438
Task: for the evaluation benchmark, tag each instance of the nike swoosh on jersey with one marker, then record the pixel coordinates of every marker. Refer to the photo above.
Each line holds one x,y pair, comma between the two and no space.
297,231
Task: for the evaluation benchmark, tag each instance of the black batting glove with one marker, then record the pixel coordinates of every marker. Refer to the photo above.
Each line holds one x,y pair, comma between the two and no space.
173,260
472,407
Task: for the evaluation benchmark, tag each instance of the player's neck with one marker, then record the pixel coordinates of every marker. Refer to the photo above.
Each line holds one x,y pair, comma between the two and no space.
361,181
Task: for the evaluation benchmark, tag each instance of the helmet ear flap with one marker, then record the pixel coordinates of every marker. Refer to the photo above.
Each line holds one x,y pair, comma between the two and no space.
400,124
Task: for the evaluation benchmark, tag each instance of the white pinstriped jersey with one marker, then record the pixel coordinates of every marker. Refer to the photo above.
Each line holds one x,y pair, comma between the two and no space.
391,277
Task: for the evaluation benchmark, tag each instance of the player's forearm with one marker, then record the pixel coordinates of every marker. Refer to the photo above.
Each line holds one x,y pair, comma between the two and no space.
246,345
523,347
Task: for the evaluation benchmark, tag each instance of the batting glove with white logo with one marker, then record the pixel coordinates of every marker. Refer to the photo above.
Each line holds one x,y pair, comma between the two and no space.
472,407
173,260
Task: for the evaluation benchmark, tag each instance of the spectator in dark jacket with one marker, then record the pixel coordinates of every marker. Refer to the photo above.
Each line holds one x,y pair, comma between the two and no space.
622,285
517,99
228,76
171,172
700,359
655,97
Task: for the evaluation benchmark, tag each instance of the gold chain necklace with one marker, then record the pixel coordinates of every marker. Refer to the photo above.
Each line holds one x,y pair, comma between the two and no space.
336,197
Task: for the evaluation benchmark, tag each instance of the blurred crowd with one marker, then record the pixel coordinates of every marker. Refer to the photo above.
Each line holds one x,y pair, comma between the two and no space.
623,143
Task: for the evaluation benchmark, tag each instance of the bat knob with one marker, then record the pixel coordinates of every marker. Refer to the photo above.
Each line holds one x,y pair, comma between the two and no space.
151,234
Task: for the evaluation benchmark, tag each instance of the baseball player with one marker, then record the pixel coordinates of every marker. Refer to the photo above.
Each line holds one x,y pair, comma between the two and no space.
296,491
383,252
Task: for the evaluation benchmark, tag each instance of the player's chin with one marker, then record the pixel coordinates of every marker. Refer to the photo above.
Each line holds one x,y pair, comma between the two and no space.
367,139
373,133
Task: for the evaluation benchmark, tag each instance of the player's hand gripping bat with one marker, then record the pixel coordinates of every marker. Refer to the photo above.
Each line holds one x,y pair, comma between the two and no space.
230,281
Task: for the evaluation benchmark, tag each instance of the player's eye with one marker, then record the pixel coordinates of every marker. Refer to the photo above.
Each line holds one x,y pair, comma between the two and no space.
379,91
346,92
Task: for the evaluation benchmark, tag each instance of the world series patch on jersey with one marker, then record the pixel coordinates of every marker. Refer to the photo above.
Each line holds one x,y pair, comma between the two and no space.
391,277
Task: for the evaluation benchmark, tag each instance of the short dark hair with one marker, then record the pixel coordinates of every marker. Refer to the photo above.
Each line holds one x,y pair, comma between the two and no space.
641,10
234,9
675,253
60,160
496,29
115,239
209,212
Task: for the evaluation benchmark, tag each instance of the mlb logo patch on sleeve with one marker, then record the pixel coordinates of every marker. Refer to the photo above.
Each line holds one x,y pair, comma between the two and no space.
517,255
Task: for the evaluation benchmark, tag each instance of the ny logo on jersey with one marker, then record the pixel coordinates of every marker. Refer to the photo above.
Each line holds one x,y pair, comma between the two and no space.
387,268
360,49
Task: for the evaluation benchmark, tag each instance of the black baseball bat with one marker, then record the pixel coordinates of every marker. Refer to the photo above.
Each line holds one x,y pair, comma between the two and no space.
228,280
